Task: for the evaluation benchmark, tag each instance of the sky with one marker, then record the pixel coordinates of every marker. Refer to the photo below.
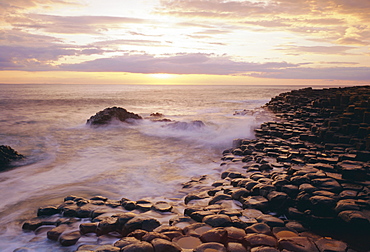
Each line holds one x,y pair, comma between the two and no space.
185,41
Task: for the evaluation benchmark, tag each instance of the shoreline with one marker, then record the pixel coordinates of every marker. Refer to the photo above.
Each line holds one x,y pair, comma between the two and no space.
305,171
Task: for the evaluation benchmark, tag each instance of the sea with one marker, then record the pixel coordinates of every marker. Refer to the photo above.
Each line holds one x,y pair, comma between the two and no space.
144,159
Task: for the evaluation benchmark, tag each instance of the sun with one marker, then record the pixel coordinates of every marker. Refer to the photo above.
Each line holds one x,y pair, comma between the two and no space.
162,75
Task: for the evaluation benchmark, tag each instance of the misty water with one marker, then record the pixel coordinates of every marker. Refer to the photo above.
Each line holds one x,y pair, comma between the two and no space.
47,124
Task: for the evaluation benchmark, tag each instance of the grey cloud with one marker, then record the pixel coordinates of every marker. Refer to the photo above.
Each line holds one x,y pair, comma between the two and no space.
178,64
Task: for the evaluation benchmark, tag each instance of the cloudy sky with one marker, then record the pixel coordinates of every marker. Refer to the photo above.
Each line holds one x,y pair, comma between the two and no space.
185,41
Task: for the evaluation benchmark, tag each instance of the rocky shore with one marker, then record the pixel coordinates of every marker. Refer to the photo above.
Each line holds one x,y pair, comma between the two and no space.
301,185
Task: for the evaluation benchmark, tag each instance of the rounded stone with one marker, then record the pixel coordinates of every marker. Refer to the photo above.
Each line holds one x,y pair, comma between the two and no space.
217,220
297,244
210,247
162,206
331,245
162,245
138,247
259,228
107,248
235,247
70,238
125,241
187,242
215,235
255,240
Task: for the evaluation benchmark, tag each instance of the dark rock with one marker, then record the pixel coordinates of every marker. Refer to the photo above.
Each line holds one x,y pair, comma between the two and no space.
235,234
255,240
162,245
187,242
147,224
55,233
297,244
235,247
106,226
107,248
259,228
271,220
47,211
8,155
256,202
162,206
215,235
138,234
148,237
69,238
322,206
210,246
264,249
218,220
107,115
331,245
196,229
125,241
354,218
138,247
86,228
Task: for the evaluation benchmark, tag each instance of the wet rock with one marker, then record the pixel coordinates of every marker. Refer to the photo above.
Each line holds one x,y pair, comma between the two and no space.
147,224
278,200
331,245
107,248
125,241
86,228
297,244
218,220
255,240
235,247
148,237
55,233
322,206
138,234
8,155
107,115
235,234
187,242
48,211
256,202
162,245
138,247
162,206
354,218
196,229
210,246
270,220
215,235
259,228
122,219
69,238
106,226
264,249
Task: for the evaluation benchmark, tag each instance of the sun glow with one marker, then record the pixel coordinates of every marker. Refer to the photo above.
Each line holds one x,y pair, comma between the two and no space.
162,76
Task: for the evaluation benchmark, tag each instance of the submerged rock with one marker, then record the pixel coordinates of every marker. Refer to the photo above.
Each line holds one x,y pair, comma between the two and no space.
107,115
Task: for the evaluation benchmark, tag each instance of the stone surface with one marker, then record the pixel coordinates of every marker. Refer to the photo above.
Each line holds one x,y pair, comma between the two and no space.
107,115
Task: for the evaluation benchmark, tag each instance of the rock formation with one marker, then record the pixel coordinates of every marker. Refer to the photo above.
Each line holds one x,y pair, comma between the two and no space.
7,155
105,116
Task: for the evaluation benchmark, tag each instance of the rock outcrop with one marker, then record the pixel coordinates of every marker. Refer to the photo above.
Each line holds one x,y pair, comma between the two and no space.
106,116
7,155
